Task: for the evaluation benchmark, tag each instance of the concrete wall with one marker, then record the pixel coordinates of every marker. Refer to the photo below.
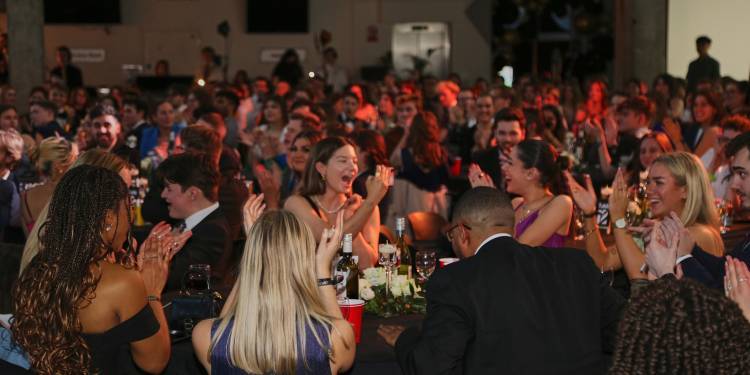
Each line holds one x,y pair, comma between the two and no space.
176,29
725,21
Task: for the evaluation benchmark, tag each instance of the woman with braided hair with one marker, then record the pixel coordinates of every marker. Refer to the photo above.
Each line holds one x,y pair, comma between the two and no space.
82,298
681,327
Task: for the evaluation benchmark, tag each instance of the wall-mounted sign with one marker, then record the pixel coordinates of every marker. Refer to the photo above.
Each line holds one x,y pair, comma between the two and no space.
88,55
273,55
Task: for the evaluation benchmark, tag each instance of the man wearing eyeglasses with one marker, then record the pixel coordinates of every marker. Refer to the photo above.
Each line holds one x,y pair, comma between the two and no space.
507,308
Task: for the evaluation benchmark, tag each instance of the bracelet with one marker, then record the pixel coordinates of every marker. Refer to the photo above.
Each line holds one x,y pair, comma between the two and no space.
588,216
326,282
152,298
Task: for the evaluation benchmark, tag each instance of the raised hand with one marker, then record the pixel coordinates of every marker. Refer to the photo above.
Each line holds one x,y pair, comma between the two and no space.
330,241
736,285
153,262
252,210
618,200
661,252
478,178
673,225
377,185
585,198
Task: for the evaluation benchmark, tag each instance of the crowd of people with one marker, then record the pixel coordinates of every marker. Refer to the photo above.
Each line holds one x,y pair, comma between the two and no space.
260,178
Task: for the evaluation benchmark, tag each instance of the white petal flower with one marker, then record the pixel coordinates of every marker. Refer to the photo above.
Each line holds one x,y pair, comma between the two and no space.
395,291
366,294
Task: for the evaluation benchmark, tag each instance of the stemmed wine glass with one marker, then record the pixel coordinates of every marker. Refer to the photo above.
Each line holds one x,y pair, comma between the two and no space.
388,257
425,263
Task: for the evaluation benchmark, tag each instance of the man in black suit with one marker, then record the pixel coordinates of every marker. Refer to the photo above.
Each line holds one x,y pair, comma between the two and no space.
508,132
191,190
507,308
700,265
66,72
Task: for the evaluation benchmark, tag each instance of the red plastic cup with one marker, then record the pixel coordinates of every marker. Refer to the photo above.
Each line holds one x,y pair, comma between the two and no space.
352,310
456,166
446,261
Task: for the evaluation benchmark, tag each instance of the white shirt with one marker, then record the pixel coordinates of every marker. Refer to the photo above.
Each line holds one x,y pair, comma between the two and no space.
195,219
490,238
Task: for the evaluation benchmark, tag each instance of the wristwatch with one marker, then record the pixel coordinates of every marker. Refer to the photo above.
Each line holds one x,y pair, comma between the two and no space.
621,223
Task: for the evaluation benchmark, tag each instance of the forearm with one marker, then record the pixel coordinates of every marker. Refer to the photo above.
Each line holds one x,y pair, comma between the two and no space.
356,222
594,243
328,292
631,256
366,253
605,160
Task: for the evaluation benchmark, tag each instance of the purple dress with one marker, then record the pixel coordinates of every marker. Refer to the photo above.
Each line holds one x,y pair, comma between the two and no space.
316,361
555,240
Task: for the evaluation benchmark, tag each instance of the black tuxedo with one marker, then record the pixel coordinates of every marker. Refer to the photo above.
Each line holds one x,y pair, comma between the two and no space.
489,161
709,269
208,244
514,309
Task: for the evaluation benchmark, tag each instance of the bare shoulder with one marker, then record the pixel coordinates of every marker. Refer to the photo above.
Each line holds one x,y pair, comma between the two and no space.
562,200
121,280
294,202
202,341
708,238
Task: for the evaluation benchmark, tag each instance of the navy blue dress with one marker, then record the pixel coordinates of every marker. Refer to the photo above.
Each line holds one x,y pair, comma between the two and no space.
316,356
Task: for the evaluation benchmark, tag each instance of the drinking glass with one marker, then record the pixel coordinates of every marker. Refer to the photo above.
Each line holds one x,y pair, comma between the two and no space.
388,257
197,279
425,263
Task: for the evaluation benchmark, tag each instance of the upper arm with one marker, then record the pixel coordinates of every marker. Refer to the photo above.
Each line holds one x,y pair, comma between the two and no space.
343,346
202,342
550,220
299,206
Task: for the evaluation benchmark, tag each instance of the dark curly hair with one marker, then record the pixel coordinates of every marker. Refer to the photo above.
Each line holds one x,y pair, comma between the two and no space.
60,280
681,327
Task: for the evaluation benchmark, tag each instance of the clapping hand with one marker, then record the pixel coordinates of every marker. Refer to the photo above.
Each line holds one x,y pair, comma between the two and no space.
584,198
377,185
618,200
661,251
330,242
478,178
735,284
251,211
173,241
153,262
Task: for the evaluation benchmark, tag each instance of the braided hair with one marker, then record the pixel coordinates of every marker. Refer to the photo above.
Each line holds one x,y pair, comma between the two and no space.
682,327
60,280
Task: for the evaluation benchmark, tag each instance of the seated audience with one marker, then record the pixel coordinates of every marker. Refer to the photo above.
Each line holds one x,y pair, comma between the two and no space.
97,158
191,190
681,327
543,212
42,118
471,328
327,189
52,158
81,299
275,320
508,131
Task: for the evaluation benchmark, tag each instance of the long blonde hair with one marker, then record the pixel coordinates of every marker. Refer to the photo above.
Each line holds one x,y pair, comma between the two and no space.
688,171
277,298
95,157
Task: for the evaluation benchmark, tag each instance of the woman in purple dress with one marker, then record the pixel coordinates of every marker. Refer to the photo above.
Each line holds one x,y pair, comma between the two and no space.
543,211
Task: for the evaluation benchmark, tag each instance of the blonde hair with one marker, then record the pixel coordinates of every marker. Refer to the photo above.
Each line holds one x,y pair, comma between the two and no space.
13,143
95,157
688,171
277,298
52,150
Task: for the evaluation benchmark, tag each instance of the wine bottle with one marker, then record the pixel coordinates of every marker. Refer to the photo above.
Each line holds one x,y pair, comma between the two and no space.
347,272
404,255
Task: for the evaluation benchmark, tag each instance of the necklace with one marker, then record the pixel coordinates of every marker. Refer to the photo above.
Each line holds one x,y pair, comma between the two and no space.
330,212
526,210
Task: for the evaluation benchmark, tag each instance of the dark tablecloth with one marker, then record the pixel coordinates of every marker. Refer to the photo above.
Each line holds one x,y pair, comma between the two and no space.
374,356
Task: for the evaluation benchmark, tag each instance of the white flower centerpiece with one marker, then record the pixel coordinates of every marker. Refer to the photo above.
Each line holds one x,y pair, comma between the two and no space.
402,297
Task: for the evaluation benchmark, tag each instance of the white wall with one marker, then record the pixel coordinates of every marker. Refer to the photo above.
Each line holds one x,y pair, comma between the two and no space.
176,29
724,21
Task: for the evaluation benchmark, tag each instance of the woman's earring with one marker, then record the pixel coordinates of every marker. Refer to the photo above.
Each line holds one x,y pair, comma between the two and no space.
108,227
323,177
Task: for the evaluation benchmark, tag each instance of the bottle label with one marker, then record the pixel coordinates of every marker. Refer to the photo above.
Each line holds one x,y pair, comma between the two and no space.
343,276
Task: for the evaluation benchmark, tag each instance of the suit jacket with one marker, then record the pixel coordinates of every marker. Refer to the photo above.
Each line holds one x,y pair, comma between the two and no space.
489,161
514,309
208,244
709,269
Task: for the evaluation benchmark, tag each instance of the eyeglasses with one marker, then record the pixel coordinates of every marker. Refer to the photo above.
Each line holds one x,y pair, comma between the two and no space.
449,232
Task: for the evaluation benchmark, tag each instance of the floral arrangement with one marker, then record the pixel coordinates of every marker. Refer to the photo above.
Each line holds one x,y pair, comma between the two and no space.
402,298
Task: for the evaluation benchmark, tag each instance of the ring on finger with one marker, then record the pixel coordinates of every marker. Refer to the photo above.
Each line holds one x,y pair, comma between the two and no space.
741,280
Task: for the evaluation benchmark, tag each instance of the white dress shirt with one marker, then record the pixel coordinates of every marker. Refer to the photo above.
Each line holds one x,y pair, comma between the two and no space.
195,219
